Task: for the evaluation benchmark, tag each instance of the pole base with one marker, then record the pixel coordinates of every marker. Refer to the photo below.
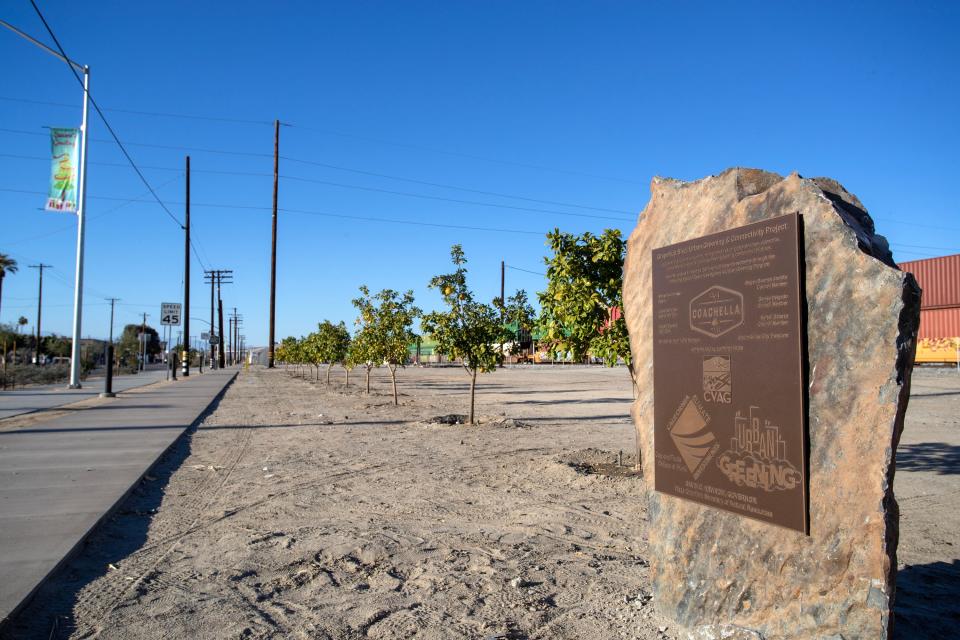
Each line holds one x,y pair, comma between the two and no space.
106,394
75,386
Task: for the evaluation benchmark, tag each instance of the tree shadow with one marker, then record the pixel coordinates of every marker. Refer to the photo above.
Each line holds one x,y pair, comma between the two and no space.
50,610
939,457
926,604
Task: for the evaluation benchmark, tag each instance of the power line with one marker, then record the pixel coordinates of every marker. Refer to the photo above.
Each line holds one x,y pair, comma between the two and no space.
454,200
103,118
364,188
354,136
125,203
536,273
316,213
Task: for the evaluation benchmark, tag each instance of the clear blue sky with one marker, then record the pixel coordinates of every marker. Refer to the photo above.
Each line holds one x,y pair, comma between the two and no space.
576,103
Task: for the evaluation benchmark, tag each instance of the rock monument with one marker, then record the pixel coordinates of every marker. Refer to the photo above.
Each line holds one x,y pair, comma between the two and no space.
723,565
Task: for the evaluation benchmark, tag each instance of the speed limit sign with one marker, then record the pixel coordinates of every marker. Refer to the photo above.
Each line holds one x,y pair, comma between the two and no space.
170,313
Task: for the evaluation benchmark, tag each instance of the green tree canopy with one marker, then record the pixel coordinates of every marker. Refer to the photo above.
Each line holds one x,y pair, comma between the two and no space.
129,345
468,330
580,310
385,328
329,345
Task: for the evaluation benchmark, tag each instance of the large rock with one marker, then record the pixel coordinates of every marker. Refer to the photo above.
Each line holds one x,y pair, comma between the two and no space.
720,575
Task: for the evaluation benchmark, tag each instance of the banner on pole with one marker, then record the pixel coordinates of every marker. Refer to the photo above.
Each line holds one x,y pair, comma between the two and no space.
64,168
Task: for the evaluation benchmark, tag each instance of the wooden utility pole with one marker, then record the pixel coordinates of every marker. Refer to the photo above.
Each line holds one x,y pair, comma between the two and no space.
222,357
41,267
216,277
185,344
143,337
273,245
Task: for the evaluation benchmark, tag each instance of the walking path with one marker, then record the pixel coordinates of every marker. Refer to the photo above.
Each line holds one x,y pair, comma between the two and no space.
51,396
60,477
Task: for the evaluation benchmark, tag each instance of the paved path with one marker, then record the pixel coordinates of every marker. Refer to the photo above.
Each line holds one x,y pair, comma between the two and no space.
20,401
59,478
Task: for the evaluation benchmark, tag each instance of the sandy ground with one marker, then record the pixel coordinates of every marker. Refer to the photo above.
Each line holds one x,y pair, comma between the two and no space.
301,511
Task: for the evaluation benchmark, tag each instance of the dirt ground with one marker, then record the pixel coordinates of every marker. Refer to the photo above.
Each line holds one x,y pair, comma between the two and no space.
301,511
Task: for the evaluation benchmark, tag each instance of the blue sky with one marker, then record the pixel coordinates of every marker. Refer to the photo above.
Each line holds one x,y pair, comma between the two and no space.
572,103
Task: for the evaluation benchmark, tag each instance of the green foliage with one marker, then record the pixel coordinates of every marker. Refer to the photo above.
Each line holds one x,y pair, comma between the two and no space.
7,265
129,345
517,311
385,328
468,330
585,283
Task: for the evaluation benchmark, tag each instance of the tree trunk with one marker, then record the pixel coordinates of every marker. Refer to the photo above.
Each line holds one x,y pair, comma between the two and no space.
473,393
329,366
393,380
2,274
346,377
368,380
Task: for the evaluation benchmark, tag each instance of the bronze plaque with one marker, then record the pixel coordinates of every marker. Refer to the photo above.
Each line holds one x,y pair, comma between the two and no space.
728,379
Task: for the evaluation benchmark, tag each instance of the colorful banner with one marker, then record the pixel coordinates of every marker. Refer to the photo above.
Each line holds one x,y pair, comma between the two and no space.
65,150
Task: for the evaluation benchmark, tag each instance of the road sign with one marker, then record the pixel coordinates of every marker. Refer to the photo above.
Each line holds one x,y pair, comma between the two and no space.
204,335
214,339
170,313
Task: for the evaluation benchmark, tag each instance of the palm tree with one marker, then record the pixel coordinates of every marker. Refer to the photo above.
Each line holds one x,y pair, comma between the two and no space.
7,265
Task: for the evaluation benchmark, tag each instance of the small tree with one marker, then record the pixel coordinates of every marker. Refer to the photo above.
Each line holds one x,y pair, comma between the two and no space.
581,310
468,331
386,319
363,351
330,344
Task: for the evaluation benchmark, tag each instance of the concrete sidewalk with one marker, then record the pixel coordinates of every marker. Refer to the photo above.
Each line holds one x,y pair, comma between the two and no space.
51,396
59,478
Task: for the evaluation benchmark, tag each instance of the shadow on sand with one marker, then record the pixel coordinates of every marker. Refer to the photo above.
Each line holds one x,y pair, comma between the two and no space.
926,605
939,457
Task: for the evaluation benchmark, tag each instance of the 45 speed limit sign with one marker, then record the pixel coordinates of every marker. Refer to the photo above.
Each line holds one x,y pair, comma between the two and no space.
170,313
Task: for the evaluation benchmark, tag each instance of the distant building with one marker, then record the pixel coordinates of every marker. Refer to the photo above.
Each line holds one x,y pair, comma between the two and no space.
939,336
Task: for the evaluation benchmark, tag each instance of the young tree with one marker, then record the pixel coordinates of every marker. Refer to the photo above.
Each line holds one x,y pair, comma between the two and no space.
331,344
580,310
386,321
7,265
468,331
363,351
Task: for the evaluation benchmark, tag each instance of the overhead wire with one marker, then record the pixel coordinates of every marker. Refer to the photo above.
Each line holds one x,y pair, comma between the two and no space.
321,213
408,194
103,118
343,134
377,189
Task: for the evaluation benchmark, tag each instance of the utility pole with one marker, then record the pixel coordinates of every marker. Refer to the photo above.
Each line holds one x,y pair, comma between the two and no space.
143,338
216,277
81,199
273,249
112,302
231,345
41,267
222,356
108,350
185,345
213,327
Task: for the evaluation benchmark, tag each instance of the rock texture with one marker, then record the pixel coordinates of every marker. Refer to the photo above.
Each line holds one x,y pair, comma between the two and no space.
719,575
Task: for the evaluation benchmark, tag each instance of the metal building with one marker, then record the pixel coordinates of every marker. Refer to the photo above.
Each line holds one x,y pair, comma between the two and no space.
939,336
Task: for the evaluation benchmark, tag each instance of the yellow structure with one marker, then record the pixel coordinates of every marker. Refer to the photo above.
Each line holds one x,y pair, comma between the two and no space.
943,350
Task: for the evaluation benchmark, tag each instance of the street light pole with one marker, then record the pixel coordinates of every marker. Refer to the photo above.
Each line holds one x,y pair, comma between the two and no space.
81,211
81,202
